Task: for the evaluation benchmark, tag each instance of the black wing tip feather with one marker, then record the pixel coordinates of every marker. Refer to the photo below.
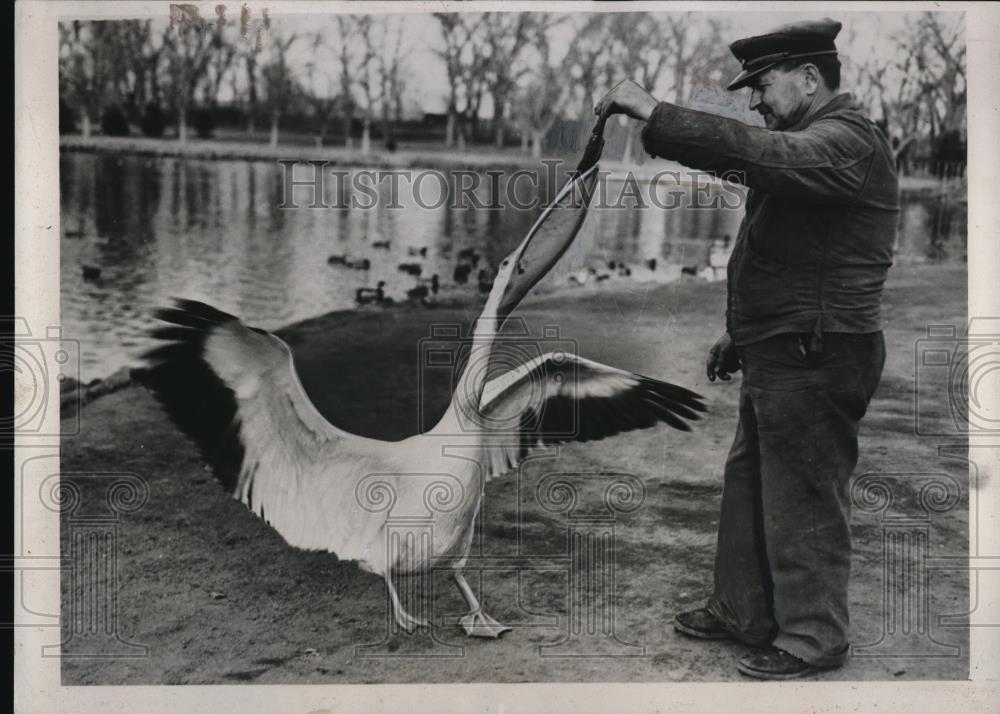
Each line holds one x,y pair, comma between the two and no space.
680,395
192,313
647,403
198,402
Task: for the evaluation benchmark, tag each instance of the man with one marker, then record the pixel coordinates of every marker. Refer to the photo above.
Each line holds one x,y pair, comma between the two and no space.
803,323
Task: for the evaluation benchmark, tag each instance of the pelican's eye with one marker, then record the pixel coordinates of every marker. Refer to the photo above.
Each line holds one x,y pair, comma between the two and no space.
505,263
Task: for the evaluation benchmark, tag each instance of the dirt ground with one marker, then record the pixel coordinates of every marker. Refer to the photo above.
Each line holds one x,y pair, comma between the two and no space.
218,597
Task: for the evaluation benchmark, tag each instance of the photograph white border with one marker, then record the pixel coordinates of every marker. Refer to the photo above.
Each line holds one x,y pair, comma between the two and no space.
37,679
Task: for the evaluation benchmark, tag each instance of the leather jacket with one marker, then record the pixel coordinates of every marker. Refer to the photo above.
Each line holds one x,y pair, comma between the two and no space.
817,239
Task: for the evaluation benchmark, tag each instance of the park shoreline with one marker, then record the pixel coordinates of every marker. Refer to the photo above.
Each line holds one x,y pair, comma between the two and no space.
404,159
74,394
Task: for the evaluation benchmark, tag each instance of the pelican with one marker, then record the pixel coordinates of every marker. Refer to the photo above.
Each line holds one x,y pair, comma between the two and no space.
235,389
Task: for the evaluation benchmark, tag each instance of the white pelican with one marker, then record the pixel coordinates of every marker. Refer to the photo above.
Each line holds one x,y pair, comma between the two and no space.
236,391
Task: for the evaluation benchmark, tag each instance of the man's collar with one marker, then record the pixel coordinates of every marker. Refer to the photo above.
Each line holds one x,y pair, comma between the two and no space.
838,101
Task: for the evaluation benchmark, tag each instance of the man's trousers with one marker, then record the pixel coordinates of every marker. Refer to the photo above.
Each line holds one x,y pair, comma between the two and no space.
784,548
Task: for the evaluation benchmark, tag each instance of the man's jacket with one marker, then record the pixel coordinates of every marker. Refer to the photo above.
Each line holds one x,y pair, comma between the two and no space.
817,240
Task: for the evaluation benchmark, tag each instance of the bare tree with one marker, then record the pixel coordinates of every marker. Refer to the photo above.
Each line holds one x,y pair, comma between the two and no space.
539,100
281,89
250,47
638,53
133,52
350,66
588,59
464,62
882,80
391,77
697,53
917,87
188,48
320,91
506,37
939,52
85,69
368,79
220,66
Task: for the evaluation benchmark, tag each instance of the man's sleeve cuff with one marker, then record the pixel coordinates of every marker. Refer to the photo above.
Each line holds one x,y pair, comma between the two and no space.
657,129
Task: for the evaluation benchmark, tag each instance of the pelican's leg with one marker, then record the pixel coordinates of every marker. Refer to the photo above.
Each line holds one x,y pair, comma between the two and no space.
477,623
404,619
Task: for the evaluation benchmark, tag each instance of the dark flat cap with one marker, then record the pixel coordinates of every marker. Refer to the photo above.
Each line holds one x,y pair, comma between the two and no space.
811,38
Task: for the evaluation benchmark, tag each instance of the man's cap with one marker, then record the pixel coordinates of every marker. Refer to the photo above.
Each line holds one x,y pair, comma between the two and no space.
811,38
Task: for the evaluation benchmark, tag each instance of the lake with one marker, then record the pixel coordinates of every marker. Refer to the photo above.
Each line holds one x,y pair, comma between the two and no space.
137,231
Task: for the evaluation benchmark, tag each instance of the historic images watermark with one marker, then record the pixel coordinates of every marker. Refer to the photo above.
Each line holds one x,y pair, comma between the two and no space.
904,505
92,508
315,184
36,356
957,379
957,375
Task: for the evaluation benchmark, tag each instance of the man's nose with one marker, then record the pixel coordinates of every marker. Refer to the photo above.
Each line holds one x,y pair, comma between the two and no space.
755,98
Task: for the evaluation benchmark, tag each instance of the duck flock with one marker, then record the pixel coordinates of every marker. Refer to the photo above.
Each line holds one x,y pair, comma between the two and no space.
470,268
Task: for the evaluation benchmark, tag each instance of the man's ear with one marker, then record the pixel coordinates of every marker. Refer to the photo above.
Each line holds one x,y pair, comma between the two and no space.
810,78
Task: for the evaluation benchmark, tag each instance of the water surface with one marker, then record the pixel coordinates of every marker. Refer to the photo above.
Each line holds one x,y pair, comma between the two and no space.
215,231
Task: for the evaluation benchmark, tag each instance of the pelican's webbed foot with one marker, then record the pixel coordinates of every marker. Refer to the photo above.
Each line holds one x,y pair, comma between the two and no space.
479,624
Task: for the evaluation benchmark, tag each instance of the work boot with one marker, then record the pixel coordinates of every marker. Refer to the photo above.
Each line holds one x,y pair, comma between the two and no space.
702,624
775,663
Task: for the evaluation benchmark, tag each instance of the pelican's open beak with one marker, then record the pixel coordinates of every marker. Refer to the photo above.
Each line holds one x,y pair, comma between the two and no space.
549,237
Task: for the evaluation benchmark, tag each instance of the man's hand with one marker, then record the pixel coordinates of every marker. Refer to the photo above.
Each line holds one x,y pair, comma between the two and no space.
627,98
723,359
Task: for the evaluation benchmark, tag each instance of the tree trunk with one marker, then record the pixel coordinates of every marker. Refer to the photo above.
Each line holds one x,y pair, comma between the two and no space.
348,144
322,129
85,127
449,132
525,142
275,118
386,127
474,127
252,92
536,144
182,125
498,121
366,140
461,137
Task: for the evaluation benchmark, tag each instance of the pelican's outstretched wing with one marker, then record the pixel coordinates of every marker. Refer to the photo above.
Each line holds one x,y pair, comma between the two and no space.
557,397
235,391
